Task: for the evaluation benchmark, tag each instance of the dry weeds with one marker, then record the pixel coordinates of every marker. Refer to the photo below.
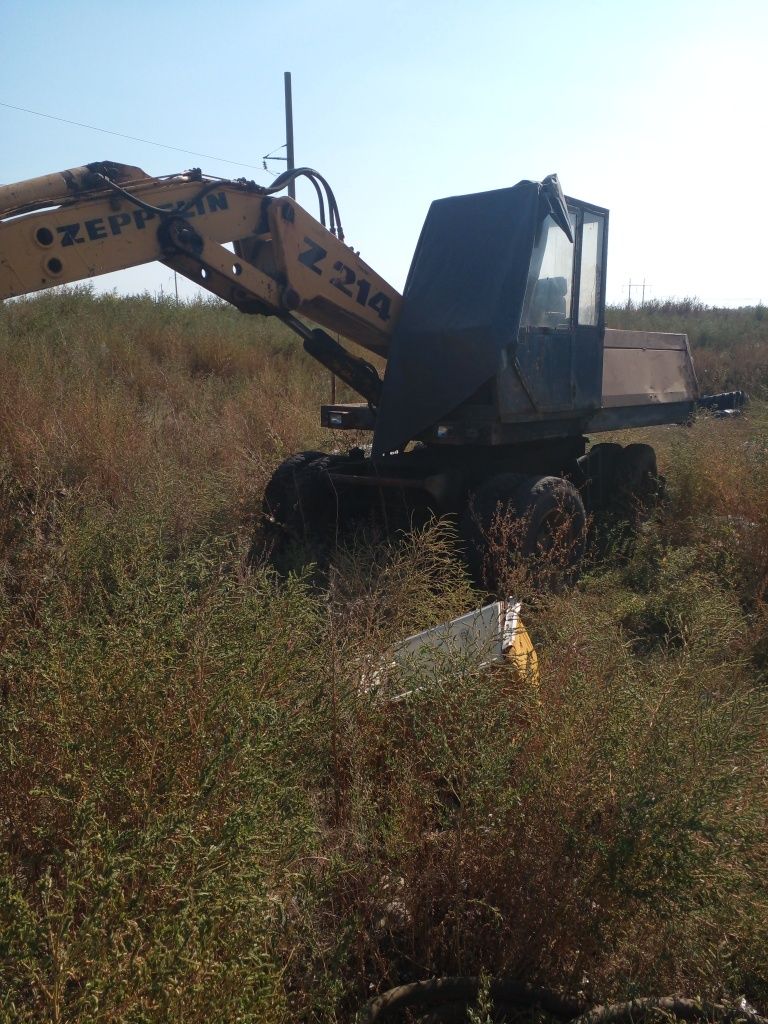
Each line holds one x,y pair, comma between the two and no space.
205,817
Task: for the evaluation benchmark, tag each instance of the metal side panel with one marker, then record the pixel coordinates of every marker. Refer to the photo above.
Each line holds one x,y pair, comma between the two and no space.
625,417
642,368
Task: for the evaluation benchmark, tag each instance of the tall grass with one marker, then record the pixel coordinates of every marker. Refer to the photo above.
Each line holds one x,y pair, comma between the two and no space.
147,402
206,811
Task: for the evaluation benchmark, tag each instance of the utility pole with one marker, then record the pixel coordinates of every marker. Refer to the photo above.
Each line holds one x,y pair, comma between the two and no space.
288,147
289,130
290,165
630,286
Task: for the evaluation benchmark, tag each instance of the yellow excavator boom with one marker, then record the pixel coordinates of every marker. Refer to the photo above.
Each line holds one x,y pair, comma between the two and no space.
91,220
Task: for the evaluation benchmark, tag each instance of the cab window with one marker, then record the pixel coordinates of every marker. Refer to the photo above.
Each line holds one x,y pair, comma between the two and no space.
548,293
590,278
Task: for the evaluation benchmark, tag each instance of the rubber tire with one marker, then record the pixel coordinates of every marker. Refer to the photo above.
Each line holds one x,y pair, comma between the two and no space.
637,484
598,470
543,499
538,498
496,494
308,513
281,493
315,506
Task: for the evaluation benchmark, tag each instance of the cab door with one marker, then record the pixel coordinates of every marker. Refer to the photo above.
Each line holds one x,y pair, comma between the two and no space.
560,345
545,342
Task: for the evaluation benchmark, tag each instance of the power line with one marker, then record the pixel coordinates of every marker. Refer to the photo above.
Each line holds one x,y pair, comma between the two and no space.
133,138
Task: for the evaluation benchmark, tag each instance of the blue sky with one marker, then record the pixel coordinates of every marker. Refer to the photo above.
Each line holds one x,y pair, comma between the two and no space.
657,110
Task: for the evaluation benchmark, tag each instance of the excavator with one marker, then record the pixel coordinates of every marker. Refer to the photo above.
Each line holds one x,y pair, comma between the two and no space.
497,360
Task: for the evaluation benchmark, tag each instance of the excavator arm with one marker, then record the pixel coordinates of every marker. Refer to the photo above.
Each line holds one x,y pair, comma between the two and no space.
103,217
